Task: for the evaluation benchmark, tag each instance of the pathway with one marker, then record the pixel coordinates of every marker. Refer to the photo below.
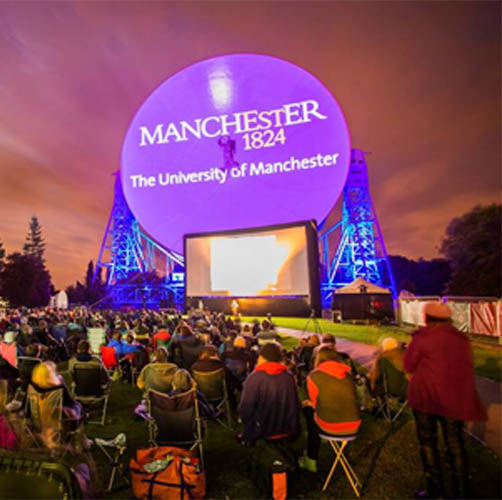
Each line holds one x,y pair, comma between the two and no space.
489,432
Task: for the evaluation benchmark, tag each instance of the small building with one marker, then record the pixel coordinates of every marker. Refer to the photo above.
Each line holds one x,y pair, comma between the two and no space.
59,300
361,300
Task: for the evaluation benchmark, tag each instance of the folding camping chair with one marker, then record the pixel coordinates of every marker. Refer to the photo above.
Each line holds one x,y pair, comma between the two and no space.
88,390
119,444
110,361
189,353
338,444
4,395
395,385
46,416
238,368
96,338
45,411
29,475
9,353
108,357
137,361
131,358
159,377
26,364
29,359
214,387
175,420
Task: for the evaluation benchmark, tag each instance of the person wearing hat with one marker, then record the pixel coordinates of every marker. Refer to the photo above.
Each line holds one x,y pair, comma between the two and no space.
442,392
269,406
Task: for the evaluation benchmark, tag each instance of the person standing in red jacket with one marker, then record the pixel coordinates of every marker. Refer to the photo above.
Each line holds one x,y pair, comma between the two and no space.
442,391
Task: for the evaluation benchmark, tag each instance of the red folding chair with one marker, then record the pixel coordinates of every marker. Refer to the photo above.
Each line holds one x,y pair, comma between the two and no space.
9,353
108,357
131,357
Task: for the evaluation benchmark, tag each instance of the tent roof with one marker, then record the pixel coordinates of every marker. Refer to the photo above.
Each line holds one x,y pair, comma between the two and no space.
354,287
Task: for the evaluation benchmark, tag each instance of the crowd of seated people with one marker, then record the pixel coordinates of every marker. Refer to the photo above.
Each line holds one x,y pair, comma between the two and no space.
168,352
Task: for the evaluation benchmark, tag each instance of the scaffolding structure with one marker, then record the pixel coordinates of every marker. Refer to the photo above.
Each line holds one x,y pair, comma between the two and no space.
360,252
139,272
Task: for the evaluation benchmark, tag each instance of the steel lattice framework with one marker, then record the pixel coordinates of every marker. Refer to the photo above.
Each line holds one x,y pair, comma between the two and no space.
130,257
361,249
126,252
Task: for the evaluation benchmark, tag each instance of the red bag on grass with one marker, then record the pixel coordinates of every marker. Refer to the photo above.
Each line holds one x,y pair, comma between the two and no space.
179,475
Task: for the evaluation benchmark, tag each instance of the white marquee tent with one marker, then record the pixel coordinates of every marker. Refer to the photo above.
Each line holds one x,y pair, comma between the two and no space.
355,287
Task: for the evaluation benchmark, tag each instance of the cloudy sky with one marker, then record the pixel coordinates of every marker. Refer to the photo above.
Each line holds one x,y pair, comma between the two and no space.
419,83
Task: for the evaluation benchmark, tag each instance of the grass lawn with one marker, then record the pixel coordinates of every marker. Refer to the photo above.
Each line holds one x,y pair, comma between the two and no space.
385,457
486,352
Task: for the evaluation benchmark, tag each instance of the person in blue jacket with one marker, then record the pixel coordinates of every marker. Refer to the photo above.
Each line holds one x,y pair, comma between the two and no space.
121,349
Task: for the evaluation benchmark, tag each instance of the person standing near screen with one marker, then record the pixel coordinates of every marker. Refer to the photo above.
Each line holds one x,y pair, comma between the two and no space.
235,308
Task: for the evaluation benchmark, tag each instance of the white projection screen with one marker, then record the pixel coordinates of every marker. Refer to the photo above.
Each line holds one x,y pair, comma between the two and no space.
262,263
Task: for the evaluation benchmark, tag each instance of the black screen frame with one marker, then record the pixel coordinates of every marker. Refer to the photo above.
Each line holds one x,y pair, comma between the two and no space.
313,299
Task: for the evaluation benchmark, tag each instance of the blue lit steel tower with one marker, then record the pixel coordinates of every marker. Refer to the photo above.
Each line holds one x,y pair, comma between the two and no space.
361,249
127,253
129,256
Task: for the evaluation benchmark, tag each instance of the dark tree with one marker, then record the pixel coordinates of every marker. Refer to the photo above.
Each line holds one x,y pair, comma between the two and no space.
76,293
432,276
2,255
34,244
24,281
89,275
408,285
472,244
99,286
422,277
94,287
91,291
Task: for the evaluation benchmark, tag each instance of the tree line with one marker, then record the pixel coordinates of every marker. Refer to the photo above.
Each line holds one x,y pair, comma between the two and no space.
471,265
26,281
24,278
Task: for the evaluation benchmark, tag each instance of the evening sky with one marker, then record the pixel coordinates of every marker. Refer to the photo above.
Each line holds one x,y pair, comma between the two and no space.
419,83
